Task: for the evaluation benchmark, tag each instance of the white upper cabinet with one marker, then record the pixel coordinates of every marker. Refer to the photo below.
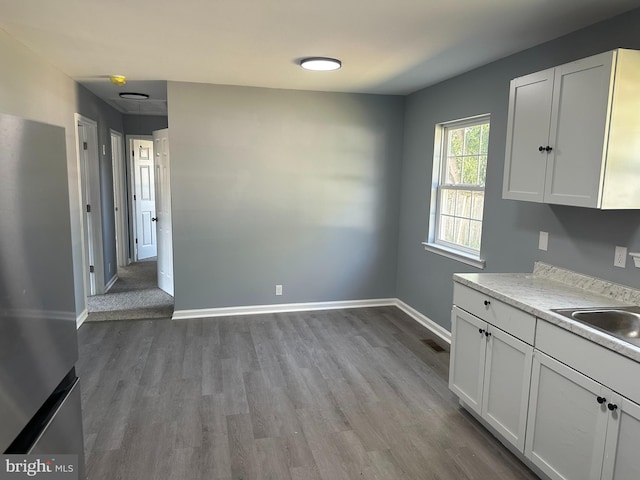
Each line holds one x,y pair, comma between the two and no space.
573,134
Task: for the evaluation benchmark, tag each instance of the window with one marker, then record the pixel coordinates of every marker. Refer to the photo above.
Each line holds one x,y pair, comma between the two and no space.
460,169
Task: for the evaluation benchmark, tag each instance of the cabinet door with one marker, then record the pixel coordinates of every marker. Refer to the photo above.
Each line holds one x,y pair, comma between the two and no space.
623,435
579,129
468,347
528,130
566,426
507,377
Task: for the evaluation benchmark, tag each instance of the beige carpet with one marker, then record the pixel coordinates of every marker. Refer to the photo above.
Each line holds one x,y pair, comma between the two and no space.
135,295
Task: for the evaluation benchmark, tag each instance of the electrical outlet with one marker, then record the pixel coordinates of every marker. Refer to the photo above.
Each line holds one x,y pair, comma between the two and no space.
278,289
620,259
543,241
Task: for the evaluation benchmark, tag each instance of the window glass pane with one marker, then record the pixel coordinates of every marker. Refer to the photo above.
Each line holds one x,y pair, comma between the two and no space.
477,207
463,203
470,171
454,169
455,141
448,202
446,228
482,170
472,140
461,231
484,143
475,234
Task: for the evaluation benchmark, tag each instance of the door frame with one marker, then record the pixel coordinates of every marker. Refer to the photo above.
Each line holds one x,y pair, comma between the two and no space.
89,182
120,198
133,251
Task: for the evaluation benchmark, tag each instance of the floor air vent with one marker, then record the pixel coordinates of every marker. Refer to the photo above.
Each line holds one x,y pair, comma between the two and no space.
430,343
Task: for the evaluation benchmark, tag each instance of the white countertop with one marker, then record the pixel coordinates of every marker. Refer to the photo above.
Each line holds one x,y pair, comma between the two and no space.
537,295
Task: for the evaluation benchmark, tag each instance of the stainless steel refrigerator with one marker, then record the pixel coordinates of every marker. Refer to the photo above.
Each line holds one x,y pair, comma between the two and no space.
39,391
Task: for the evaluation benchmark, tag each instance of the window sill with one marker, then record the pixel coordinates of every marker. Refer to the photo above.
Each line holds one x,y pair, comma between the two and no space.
455,255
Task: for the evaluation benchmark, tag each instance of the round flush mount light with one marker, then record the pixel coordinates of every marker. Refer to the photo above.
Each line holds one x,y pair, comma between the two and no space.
320,64
134,96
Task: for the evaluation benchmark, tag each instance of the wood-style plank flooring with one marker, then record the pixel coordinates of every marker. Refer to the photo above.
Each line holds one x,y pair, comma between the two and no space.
332,395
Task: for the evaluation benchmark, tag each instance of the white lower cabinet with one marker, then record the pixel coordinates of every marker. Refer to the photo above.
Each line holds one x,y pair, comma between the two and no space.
623,435
564,402
577,429
490,372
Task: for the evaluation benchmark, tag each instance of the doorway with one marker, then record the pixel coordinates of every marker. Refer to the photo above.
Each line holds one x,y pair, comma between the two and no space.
89,176
143,198
135,294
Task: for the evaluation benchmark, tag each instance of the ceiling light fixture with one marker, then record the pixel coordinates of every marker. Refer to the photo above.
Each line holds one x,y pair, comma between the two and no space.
320,64
118,80
134,96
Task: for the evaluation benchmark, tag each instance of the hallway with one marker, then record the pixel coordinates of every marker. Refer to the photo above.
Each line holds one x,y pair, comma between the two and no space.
134,296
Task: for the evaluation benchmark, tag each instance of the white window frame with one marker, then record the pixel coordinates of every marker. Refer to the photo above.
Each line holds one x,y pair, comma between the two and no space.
454,251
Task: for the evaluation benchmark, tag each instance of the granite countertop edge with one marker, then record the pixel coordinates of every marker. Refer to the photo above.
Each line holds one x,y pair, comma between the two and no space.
538,295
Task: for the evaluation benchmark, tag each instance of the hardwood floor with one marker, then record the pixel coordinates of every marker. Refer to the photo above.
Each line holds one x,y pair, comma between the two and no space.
339,394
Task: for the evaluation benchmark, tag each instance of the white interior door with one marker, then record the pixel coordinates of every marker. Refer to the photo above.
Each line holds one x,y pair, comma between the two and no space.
144,199
163,210
87,148
119,197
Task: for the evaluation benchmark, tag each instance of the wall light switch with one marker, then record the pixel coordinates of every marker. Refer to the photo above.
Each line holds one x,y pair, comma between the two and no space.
278,289
620,259
543,242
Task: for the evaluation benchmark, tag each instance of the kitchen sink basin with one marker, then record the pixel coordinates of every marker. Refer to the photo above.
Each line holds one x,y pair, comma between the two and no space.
621,322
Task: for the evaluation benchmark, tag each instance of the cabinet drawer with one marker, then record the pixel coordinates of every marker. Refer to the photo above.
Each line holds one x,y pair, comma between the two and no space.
516,322
611,369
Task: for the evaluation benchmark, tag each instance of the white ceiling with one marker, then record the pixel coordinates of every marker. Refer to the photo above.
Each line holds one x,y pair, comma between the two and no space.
387,47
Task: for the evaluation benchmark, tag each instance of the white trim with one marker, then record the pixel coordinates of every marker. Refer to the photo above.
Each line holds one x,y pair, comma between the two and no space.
81,318
280,308
119,198
455,255
425,321
113,280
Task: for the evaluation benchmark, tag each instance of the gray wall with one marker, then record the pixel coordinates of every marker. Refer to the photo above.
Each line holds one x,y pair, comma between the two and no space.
143,124
582,240
107,118
282,187
32,88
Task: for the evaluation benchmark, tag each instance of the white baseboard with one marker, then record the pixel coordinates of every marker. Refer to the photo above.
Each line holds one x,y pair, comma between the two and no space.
280,308
81,318
113,280
425,321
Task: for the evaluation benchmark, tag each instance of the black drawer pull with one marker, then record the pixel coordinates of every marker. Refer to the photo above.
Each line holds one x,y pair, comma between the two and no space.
612,406
601,400
487,334
481,331
487,303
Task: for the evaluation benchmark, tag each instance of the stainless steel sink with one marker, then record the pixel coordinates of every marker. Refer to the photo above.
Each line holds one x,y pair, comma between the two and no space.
621,322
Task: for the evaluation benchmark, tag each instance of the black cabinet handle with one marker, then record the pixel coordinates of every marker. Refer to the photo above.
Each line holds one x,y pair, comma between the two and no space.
481,331
487,334
548,148
601,400
612,406
487,303
541,148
